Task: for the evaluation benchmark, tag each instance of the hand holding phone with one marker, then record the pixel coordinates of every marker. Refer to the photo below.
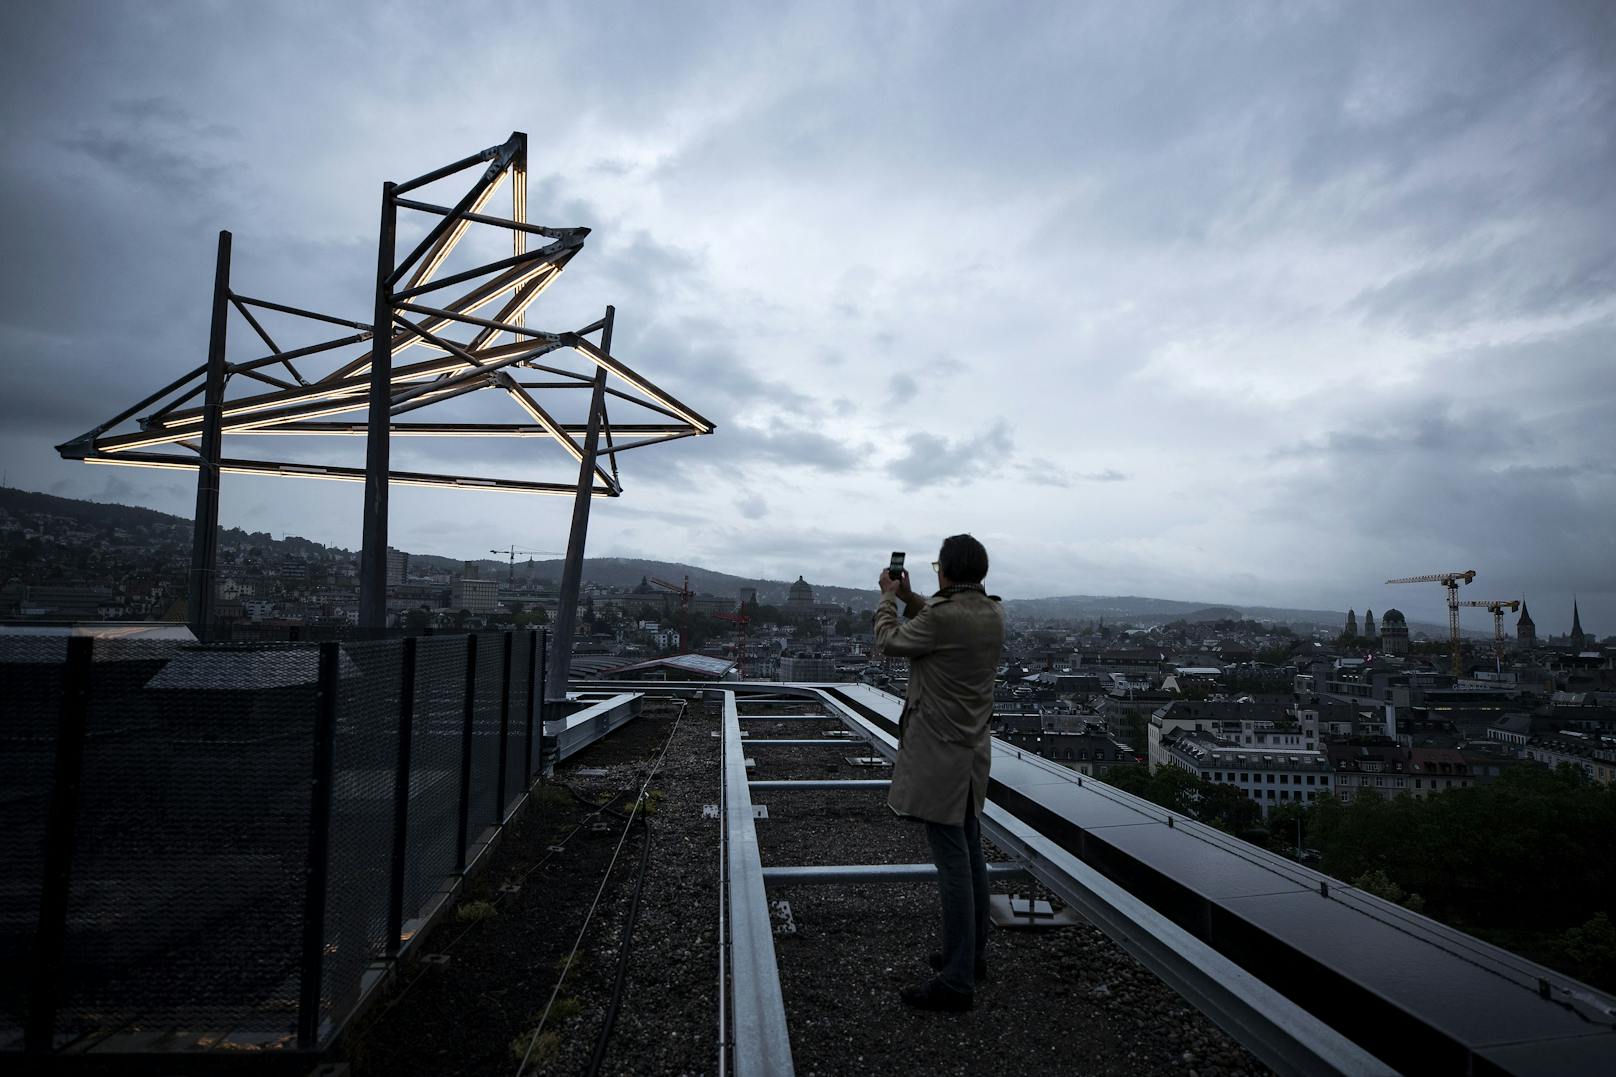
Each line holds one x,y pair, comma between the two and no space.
895,570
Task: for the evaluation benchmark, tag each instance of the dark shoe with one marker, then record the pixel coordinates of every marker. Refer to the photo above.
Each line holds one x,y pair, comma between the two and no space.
936,960
936,995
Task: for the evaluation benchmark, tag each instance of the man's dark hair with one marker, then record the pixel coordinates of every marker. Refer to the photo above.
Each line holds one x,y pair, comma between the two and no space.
963,559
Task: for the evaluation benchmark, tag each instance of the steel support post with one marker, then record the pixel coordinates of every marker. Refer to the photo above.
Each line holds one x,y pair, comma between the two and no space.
60,834
504,724
318,867
373,554
533,681
1453,626
401,799
205,538
468,713
572,571
546,744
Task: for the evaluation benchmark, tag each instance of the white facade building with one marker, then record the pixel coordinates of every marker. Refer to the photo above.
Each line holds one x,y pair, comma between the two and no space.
1267,775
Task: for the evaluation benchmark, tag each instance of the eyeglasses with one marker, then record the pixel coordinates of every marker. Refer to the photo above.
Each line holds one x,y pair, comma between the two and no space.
936,566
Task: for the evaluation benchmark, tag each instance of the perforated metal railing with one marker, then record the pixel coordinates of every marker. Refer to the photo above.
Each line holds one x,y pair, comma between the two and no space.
361,821
32,688
435,743
216,847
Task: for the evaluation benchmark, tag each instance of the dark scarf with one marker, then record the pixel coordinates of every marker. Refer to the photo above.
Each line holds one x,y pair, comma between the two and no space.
956,588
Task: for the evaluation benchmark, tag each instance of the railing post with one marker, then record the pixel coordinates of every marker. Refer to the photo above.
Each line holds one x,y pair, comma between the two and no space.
504,725
532,684
60,834
205,529
317,872
465,752
544,702
378,431
572,568
401,798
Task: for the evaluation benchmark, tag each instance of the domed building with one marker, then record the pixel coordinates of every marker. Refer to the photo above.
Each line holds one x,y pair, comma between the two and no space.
800,599
1393,632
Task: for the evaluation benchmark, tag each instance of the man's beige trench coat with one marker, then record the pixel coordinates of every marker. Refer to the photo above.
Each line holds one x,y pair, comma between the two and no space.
953,641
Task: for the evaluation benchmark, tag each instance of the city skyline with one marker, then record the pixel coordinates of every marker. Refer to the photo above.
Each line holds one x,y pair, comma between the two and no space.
1262,310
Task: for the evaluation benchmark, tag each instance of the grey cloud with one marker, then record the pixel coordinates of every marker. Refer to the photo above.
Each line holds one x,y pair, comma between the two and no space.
1435,427
794,446
1483,477
692,358
1529,277
929,458
901,387
138,159
1132,183
1044,472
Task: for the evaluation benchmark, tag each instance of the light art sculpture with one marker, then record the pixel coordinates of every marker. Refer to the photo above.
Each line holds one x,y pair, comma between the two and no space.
438,349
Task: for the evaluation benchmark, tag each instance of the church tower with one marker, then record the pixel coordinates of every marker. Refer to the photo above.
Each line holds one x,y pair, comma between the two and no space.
1525,630
1369,624
1577,638
1351,631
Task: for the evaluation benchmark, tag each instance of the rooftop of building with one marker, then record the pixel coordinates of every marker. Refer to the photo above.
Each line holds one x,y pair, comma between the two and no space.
808,928
1209,750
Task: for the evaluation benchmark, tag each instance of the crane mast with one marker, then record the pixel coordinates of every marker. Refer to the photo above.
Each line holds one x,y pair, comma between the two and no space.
1497,608
511,553
743,620
684,593
1449,580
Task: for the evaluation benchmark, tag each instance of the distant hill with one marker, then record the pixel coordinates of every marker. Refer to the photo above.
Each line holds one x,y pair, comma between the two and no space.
628,571
101,516
1212,613
1154,611
603,571
1150,611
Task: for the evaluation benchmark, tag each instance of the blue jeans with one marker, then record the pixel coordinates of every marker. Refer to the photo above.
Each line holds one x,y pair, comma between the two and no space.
962,879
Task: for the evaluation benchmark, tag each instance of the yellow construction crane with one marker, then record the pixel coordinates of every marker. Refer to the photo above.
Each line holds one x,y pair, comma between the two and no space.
1497,610
1450,580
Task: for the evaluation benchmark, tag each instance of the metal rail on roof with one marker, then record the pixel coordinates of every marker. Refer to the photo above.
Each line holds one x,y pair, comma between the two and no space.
1266,1023
821,874
761,1043
595,717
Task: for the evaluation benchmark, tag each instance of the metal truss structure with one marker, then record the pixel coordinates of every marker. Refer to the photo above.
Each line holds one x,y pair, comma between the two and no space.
476,339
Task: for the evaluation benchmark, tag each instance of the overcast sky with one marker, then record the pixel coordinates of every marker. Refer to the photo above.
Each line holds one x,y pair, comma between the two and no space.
1249,303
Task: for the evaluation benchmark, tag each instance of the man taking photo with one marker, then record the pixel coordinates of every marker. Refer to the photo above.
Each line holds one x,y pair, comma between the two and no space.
953,641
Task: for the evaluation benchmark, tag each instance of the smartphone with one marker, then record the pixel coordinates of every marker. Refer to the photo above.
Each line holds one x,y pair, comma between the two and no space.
895,570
